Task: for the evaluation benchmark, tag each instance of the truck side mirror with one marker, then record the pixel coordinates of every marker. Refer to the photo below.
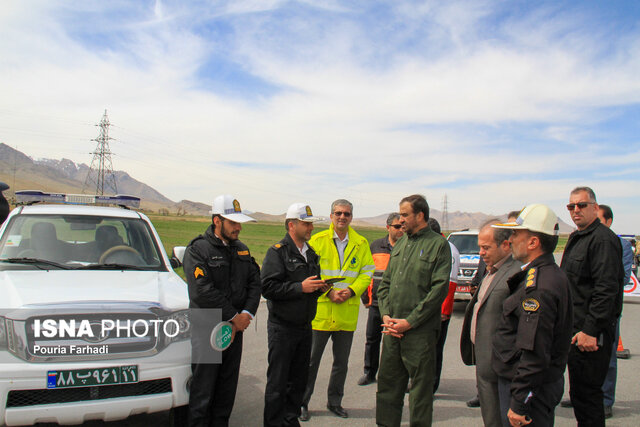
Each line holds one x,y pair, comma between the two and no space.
177,255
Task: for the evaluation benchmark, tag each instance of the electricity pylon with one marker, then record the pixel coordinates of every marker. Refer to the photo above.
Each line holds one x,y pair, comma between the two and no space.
100,173
445,214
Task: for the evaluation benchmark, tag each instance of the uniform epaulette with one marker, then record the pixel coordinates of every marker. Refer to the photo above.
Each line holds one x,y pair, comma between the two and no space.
277,246
532,278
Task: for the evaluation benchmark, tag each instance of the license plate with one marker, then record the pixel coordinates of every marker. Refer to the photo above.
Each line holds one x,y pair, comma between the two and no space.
92,377
463,288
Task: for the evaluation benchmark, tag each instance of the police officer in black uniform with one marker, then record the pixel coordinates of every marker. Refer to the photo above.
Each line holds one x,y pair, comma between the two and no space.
531,344
221,274
291,283
4,205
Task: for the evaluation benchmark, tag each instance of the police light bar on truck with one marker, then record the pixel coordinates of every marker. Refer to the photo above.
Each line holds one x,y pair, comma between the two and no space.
29,197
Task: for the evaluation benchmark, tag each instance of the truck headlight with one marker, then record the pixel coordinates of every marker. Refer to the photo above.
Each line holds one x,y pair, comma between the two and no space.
178,327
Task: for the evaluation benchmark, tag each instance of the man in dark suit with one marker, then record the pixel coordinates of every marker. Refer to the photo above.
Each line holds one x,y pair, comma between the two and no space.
483,314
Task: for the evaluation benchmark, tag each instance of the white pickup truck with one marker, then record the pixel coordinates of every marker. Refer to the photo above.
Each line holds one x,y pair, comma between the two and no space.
93,320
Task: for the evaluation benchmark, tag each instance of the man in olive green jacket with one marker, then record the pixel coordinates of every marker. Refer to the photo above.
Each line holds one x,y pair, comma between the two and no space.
410,296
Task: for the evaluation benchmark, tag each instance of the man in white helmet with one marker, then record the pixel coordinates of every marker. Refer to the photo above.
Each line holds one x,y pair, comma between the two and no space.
531,342
291,284
221,274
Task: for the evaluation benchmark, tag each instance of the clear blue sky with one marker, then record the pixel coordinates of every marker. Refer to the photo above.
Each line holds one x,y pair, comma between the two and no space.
497,104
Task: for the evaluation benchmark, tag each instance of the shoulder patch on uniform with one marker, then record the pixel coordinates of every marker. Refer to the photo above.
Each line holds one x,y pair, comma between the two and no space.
243,252
530,305
198,272
531,278
277,245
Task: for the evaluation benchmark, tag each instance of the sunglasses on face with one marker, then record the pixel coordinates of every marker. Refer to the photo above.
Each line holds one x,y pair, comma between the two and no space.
396,226
581,205
340,213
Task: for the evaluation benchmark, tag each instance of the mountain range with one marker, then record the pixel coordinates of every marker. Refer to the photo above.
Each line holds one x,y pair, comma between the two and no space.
65,176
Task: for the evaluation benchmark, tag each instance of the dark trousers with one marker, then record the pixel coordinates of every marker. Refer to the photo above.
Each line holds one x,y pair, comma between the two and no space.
587,371
444,327
542,405
372,346
412,357
609,386
213,387
289,353
341,348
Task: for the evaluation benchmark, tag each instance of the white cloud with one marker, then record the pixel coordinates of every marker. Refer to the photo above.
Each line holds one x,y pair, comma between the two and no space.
348,103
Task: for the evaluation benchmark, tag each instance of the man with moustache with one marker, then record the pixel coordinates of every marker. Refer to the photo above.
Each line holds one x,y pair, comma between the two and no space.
592,261
465,346
346,255
531,342
221,274
410,297
291,284
483,314
381,251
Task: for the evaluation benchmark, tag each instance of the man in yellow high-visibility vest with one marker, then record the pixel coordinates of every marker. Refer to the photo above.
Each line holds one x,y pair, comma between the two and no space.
345,254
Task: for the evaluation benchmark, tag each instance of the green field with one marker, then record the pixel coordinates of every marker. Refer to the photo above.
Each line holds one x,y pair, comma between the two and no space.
257,236
178,231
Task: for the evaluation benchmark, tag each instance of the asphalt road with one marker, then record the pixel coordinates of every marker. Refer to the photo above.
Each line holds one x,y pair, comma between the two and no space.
456,387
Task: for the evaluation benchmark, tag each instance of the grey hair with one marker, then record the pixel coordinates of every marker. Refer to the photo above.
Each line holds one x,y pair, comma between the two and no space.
499,234
392,217
341,202
588,190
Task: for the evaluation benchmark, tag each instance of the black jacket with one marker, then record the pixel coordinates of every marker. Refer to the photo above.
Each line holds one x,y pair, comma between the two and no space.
4,205
219,276
592,261
477,279
283,271
531,344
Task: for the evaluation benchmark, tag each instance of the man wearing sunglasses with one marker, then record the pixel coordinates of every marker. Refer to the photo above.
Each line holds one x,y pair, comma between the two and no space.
381,251
343,254
592,261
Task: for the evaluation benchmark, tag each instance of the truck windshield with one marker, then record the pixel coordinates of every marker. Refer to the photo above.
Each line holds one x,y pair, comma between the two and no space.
80,241
465,243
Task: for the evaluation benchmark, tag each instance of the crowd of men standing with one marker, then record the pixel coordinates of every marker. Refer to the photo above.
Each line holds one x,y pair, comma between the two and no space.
527,320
